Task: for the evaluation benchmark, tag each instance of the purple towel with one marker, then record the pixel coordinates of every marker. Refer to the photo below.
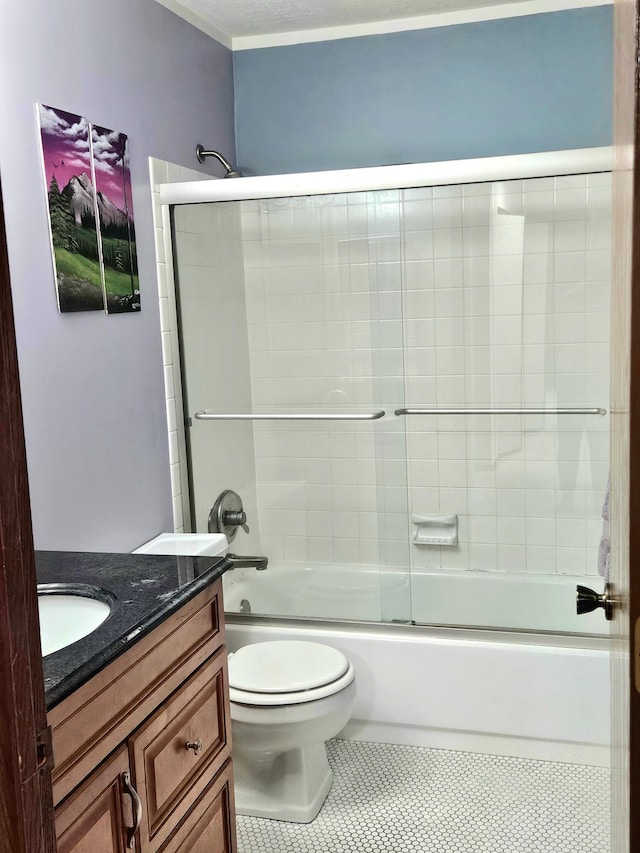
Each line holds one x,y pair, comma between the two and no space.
604,549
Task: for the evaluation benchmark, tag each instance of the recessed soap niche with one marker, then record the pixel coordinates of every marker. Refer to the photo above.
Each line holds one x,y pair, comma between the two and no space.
435,529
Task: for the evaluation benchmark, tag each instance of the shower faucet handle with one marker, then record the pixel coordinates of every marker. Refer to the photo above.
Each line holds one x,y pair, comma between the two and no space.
236,518
227,515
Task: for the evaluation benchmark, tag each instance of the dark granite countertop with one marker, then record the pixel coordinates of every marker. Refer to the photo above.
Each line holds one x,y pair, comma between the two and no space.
146,589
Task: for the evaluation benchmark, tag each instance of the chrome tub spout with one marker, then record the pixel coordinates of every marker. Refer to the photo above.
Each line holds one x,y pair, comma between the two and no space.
238,562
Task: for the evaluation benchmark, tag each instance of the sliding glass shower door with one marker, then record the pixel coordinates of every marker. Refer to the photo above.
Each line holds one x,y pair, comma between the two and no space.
507,426
409,390
293,361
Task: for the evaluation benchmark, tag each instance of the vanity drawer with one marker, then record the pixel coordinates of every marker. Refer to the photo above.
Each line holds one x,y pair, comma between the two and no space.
169,775
90,723
210,826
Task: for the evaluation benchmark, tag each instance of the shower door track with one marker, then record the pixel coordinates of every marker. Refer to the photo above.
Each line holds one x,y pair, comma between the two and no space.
478,170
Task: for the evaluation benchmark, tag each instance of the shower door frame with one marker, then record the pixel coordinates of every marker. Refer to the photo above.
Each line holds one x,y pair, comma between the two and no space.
478,170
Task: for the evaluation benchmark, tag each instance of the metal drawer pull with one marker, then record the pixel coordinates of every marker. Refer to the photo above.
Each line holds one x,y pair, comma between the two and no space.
195,745
137,807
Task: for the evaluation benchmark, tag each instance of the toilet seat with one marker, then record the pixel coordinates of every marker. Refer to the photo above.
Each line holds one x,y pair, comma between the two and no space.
287,672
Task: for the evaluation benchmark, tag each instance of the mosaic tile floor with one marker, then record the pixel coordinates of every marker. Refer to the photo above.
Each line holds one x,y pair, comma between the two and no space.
403,799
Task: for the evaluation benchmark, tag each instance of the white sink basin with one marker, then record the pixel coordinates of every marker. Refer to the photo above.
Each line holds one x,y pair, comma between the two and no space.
66,617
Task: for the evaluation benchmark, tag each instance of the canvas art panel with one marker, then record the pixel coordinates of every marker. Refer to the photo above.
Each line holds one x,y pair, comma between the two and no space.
112,181
66,155
88,184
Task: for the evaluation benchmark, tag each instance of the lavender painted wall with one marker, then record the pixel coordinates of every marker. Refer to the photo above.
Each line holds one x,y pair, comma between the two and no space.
92,385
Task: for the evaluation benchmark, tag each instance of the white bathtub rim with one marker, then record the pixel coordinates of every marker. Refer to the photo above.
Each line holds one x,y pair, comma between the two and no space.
438,571
445,634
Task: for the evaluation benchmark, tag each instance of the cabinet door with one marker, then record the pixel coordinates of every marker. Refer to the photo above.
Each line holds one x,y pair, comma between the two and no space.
178,752
210,826
97,817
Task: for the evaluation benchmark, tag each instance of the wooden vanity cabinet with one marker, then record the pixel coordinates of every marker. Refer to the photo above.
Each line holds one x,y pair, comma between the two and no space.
143,750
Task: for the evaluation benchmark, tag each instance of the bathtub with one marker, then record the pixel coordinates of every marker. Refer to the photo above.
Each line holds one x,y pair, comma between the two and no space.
533,694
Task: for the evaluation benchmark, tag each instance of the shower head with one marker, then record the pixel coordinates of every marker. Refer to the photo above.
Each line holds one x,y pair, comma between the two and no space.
201,154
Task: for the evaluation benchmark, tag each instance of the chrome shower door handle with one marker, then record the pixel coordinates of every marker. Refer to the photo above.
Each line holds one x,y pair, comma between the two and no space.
588,600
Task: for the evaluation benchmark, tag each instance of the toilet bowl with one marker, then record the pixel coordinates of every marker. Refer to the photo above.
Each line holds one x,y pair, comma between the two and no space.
287,699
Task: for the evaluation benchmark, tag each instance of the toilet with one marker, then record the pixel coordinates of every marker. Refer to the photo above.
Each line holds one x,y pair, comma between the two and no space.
287,698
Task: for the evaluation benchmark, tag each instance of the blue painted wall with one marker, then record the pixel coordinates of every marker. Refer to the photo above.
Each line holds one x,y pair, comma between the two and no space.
516,85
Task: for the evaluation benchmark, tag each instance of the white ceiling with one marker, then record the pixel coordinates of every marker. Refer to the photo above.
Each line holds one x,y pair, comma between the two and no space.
250,23
257,17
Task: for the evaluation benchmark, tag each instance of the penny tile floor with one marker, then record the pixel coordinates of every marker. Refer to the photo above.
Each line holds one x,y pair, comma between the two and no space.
404,799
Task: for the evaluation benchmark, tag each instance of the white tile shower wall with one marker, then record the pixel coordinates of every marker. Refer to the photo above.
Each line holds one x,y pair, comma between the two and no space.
215,353
162,172
488,294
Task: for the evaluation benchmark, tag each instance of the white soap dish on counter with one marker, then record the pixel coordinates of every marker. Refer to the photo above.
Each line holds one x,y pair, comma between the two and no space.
186,544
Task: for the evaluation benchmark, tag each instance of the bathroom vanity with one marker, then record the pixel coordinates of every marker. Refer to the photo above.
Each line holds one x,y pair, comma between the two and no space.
139,710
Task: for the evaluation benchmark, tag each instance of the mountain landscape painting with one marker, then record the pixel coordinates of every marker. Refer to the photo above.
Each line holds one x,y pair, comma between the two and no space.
112,180
66,149
88,185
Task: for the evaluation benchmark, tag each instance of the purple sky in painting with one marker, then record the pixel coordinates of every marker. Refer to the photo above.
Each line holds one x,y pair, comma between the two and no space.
65,144
108,166
66,149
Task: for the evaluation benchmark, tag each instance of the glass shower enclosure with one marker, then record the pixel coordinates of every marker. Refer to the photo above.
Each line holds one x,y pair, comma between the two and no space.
403,372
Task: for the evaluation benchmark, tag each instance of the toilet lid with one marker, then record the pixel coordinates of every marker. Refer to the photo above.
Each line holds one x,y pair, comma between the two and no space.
285,666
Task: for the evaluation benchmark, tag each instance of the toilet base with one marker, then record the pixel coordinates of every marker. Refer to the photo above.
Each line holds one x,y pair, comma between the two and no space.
289,786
